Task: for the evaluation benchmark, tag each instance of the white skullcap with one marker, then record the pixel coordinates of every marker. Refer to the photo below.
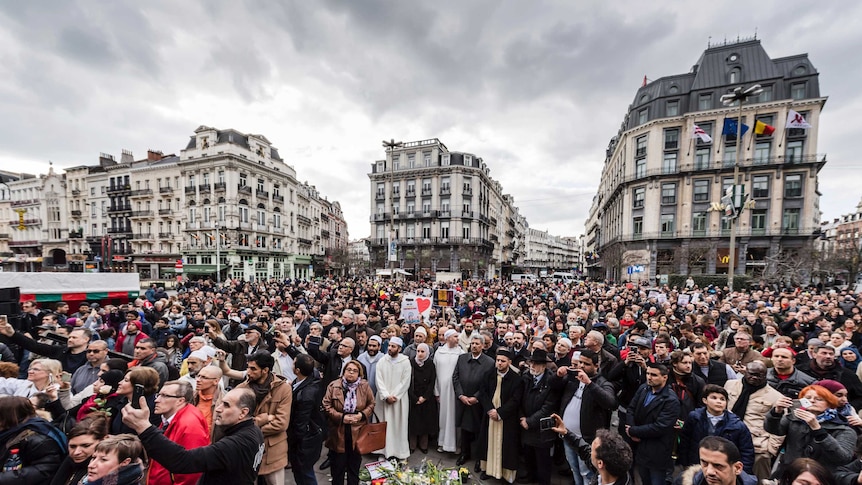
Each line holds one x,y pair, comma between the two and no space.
509,334
376,338
397,340
565,340
450,333
421,330
209,350
200,355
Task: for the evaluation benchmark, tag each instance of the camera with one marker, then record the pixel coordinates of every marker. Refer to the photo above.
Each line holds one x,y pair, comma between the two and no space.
546,423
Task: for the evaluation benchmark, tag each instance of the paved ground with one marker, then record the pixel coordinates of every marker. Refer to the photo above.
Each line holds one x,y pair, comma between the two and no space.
443,459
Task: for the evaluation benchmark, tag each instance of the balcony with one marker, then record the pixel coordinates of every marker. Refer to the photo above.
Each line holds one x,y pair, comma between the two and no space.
141,214
166,190
190,189
380,196
243,189
445,190
142,236
384,216
204,188
716,232
261,194
303,219
467,215
119,230
141,193
76,192
324,233
426,192
166,235
277,198
76,234
468,191
303,240
219,186
428,213
25,222
165,212
76,213
444,214
4,235
21,203
119,208
119,189
23,244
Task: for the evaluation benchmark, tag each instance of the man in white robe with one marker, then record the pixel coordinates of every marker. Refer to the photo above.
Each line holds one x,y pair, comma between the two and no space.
393,406
445,360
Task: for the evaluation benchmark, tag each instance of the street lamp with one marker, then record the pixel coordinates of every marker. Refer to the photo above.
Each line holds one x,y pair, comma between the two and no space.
391,252
739,95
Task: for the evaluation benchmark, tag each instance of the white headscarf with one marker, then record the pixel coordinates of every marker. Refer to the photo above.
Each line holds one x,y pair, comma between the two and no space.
419,361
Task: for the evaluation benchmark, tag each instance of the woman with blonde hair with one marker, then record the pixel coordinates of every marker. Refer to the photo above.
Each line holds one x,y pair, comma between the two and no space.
41,374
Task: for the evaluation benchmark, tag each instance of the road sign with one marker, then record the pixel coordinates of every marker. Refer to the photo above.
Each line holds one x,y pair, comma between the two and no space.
179,266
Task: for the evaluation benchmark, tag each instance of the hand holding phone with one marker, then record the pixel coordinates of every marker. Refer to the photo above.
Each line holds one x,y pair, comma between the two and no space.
546,423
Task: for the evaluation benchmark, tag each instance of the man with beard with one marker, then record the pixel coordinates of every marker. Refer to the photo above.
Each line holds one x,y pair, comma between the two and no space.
370,358
393,382
562,352
539,401
824,366
650,421
784,377
750,398
588,400
146,356
468,381
500,400
720,464
445,361
687,386
466,333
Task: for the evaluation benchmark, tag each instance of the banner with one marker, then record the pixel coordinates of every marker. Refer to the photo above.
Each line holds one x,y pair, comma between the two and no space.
414,306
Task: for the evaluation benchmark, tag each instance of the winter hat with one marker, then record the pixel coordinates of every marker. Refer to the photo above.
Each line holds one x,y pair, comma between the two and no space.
833,386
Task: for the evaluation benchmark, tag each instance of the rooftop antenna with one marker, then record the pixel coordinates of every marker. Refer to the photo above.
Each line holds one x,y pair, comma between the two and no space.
709,42
755,33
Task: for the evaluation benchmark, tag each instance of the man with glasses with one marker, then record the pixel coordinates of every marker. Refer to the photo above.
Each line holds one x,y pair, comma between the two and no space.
181,423
72,355
208,393
31,317
741,354
86,375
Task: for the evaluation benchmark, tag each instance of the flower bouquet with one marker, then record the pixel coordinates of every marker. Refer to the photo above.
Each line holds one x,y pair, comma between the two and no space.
427,473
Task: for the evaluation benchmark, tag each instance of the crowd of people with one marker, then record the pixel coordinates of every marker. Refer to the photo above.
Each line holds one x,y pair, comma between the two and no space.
602,383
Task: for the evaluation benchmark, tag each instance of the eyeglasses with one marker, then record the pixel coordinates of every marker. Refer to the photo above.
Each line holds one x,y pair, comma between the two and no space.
96,351
163,395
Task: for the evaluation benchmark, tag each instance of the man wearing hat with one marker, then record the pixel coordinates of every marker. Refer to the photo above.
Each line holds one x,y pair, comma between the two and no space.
501,403
239,349
370,358
471,374
539,402
393,381
445,361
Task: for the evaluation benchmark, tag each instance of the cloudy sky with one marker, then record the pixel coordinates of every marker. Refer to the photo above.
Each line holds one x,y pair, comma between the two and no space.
535,88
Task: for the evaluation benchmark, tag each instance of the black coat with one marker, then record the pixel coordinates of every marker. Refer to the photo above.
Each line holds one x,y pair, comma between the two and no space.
633,376
306,422
424,418
40,456
469,380
597,403
689,392
232,460
837,373
654,425
539,401
511,393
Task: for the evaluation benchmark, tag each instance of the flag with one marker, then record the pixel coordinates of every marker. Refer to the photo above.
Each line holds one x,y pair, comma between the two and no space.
795,120
762,128
698,132
730,128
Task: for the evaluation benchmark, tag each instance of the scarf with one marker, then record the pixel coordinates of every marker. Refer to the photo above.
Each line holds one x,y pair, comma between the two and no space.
828,415
421,362
742,402
260,389
127,475
349,390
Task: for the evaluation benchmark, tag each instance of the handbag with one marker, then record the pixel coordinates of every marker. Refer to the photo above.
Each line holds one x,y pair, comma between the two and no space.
371,436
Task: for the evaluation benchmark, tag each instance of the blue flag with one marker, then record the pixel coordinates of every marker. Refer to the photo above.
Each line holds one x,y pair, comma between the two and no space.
730,128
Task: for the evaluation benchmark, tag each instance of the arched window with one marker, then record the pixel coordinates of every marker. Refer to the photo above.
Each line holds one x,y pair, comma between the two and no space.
735,76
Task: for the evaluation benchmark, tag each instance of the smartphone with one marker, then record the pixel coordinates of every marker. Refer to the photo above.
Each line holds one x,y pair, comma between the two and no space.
315,339
546,423
137,394
66,377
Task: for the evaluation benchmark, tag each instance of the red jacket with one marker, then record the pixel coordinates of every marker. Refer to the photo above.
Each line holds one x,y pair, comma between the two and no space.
189,430
118,347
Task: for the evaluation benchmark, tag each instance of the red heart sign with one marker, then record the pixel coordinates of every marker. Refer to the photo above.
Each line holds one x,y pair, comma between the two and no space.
423,303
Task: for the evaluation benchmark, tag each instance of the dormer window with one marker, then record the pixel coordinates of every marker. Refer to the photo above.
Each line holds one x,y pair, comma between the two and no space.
735,76
205,143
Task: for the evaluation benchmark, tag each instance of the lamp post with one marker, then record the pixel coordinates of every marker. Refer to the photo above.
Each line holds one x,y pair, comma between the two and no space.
738,95
391,145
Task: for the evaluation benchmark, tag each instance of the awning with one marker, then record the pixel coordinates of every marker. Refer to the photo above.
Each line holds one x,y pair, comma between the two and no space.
91,296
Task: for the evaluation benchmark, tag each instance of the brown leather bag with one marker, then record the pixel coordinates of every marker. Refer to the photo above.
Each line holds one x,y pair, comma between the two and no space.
371,436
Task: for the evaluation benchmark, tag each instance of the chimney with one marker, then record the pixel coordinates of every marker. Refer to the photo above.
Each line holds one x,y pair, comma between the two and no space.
127,157
154,155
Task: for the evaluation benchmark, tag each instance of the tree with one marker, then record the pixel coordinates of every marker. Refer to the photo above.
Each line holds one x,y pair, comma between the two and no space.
844,258
692,254
791,266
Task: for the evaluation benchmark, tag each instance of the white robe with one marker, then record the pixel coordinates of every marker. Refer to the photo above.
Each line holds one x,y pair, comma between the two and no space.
393,379
445,360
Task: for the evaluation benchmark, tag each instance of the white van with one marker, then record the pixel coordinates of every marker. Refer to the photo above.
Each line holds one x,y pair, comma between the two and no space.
564,278
524,278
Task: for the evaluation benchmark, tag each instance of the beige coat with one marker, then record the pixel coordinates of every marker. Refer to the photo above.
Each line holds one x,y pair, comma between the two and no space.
760,403
276,405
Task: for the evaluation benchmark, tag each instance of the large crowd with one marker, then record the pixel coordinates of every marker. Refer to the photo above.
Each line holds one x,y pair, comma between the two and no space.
602,383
